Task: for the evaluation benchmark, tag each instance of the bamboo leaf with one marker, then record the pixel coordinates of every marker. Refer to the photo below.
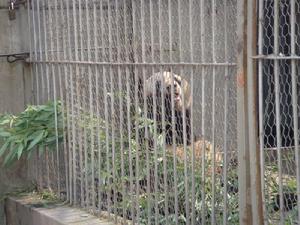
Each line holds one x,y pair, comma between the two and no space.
4,147
4,133
34,127
10,157
20,150
36,140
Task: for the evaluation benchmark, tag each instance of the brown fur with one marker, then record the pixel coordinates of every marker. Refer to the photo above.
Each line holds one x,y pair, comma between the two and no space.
198,154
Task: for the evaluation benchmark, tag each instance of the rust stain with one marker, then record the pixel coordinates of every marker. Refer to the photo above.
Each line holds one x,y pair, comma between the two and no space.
241,80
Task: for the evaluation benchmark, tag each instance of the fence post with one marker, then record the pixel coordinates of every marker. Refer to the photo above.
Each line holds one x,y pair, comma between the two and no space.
252,88
250,200
245,213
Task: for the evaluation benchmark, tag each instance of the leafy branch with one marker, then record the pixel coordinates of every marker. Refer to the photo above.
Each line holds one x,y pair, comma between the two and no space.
38,126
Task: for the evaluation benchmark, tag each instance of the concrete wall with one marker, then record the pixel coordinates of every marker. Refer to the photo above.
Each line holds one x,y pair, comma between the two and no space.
15,86
31,210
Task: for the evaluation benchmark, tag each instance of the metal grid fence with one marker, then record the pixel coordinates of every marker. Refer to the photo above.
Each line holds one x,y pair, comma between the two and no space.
148,91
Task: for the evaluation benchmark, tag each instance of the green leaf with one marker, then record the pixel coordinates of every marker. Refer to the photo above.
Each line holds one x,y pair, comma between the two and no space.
4,147
38,137
51,139
44,116
4,133
33,135
10,157
4,121
20,150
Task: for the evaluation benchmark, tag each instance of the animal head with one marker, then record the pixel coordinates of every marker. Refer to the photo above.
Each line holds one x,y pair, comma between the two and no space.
163,81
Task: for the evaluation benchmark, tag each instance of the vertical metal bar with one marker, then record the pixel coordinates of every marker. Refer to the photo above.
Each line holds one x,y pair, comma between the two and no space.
55,100
122,142
50,55
34,161
155,154
111,98
75,201
277,106
36,48
55,91
295,100
163,116
29,6
193,197
128,88
36,34
113,144
225,151
154,118
136,80
173,113
118,46
261,111
92,151
46,27
81,92
70,117
46,6
203,112
37,174
40,89
186,177
100,149
42,56
146,110
98,133
99,142
91,109
85,194
51,77
105,106
110,48
107,140
31,41
64,102
213,217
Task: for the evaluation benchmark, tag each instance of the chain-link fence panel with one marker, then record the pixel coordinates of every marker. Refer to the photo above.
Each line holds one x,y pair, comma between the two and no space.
278,71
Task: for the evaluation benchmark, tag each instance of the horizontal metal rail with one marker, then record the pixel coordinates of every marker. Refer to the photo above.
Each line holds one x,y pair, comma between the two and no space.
133,63
276,57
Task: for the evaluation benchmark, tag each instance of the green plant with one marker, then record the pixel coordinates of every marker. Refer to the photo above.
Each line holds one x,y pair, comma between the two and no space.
39,126
120,183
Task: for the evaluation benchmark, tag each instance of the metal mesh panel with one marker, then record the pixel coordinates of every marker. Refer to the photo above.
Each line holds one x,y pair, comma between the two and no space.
149,101
278,67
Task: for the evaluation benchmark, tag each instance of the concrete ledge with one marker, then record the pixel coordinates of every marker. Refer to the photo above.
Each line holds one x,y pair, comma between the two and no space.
30,210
